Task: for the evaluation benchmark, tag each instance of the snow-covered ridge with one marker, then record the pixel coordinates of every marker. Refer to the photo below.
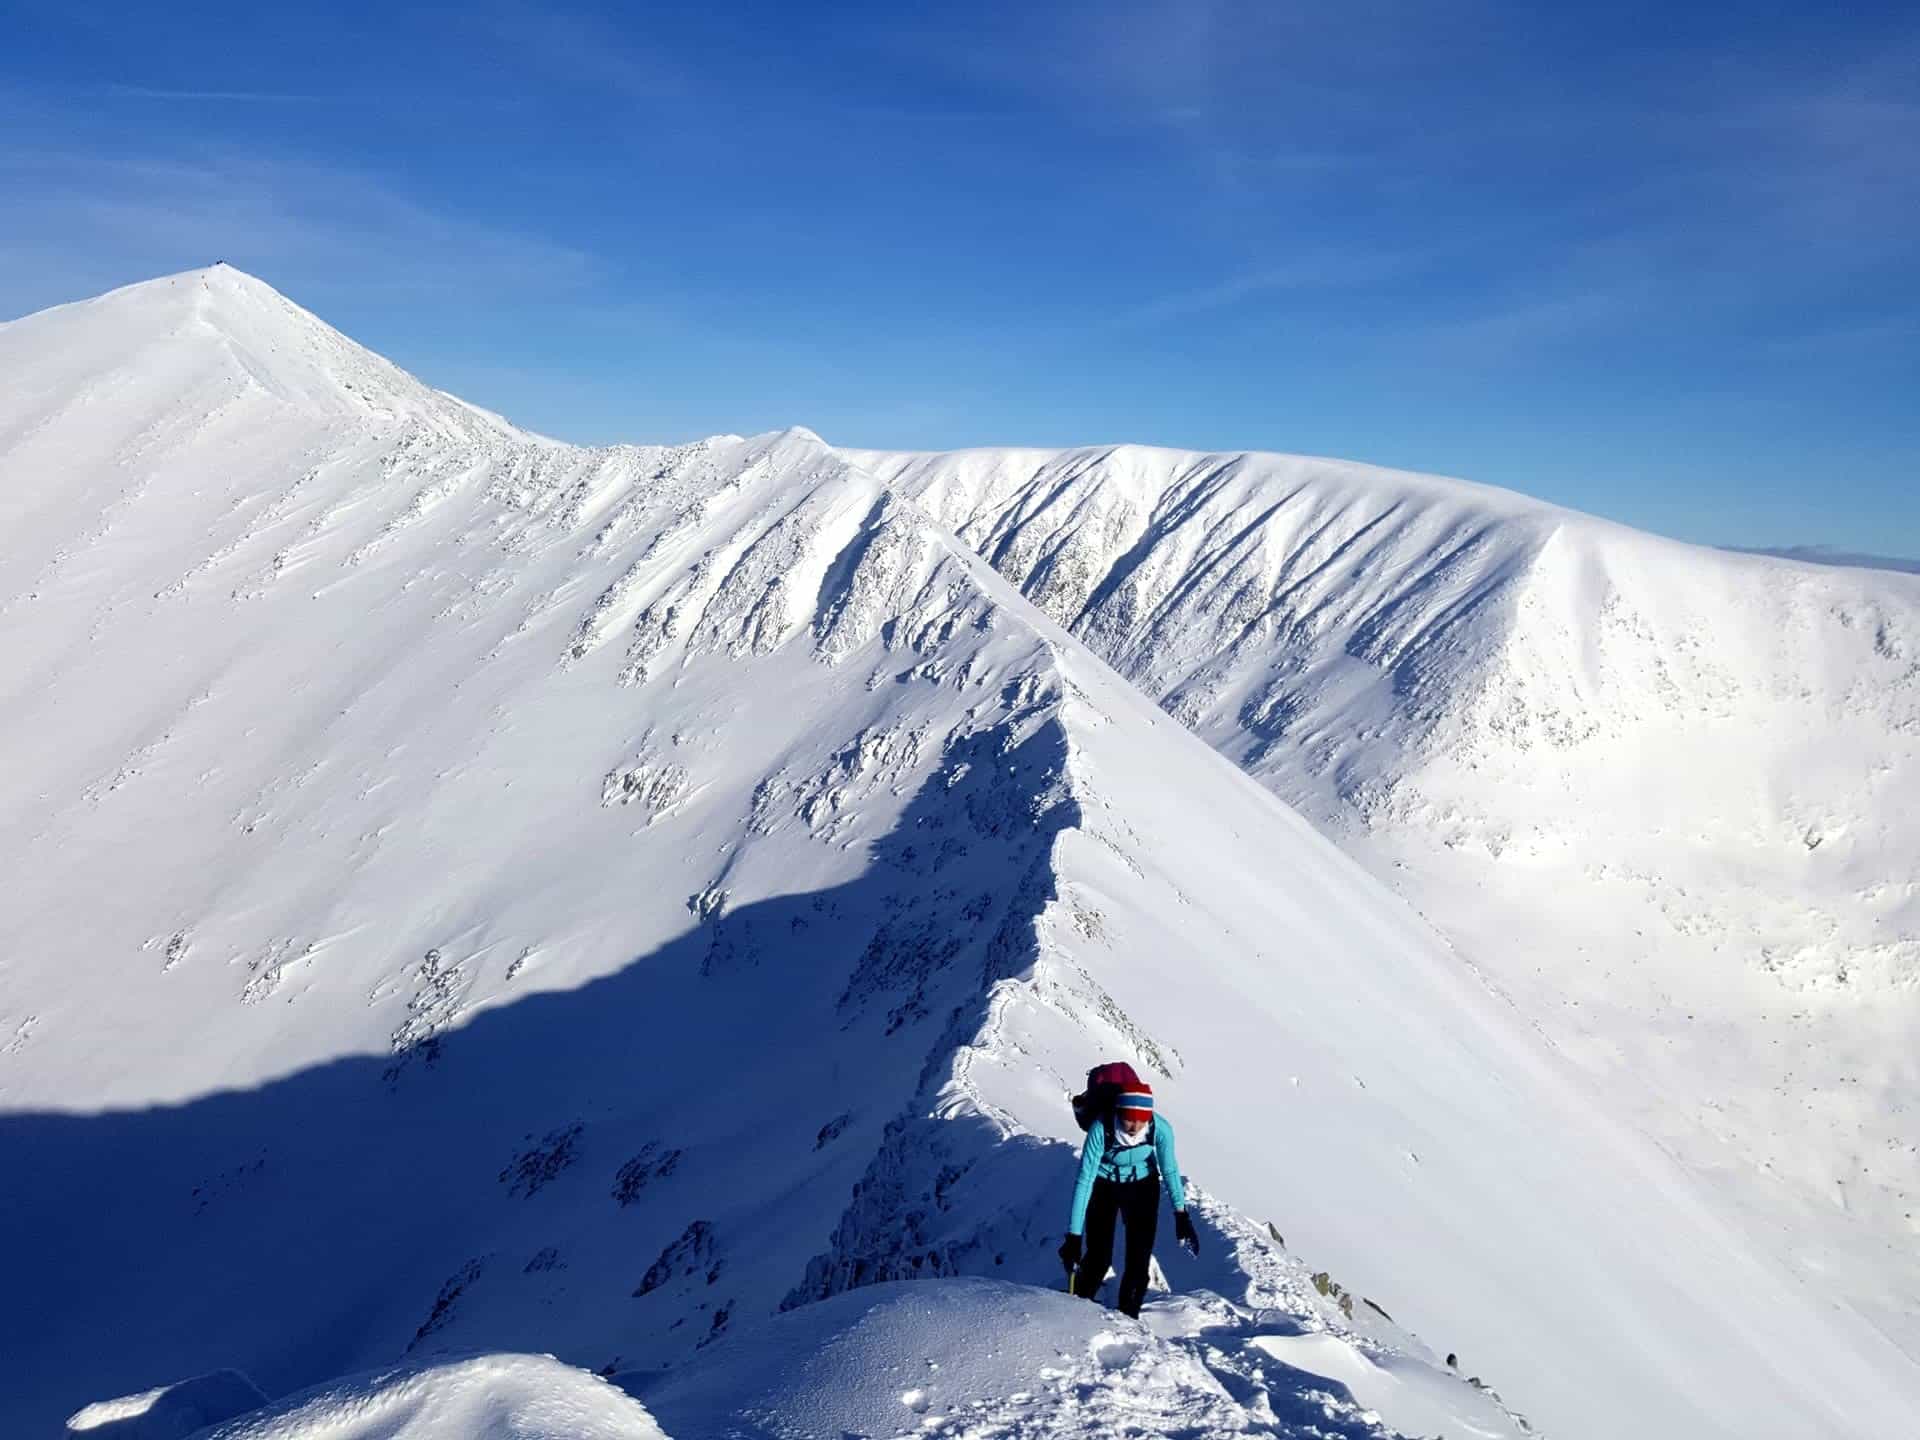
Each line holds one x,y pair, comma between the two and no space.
432,846
1256,592
1405,651
1656,792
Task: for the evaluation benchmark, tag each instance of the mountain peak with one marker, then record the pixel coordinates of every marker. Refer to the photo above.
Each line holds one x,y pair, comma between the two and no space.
225,297
215,337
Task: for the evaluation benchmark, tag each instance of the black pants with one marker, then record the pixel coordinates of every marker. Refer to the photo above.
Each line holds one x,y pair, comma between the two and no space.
1137,1202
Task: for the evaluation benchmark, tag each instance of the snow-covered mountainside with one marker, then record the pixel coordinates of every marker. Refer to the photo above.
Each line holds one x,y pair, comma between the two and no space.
466,891
1661,795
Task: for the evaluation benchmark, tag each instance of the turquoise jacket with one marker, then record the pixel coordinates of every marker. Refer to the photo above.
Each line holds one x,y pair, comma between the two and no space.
1126,1163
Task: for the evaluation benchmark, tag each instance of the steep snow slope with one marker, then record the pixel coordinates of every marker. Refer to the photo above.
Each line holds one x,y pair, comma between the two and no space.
1659,794
470,891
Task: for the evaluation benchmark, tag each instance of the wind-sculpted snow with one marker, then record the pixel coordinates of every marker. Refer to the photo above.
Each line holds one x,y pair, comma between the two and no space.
1656,793
467,891
481,1397
169,1412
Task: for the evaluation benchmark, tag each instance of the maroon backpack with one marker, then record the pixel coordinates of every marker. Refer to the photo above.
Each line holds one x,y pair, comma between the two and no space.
1104,1085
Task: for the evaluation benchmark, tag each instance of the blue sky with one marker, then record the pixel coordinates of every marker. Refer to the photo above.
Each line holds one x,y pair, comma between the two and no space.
1659,262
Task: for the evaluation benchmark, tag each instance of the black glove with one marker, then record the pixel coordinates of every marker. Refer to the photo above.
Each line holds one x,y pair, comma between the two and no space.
1184,1233
1070,1251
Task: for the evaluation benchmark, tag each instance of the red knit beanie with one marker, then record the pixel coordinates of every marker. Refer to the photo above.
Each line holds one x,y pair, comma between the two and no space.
1135,1102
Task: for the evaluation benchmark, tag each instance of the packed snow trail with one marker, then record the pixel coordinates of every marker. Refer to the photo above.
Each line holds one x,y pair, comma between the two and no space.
973,1359
979,1358
431,844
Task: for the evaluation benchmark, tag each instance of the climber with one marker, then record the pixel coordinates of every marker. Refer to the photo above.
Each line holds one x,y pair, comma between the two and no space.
1127,1154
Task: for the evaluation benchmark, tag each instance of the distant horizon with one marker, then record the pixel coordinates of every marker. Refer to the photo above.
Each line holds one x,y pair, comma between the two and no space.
1644,263
1827,555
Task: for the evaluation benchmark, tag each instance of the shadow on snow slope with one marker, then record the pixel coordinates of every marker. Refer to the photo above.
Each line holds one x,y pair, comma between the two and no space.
614,1173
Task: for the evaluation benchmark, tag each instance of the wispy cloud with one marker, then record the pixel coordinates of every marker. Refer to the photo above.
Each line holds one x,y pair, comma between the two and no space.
1894,332
583,49
1305,273
1517,329
246,97
98,220
1680,179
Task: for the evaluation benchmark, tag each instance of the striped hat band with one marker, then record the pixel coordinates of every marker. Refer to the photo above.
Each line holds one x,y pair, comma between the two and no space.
1133,1100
